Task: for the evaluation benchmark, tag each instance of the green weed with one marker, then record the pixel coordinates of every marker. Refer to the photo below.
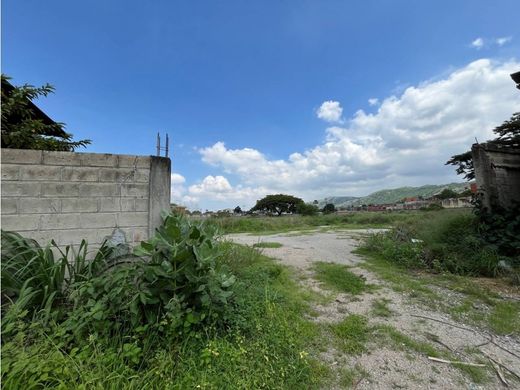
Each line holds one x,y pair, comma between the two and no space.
337,277
352,333
380,308
505,318
267,244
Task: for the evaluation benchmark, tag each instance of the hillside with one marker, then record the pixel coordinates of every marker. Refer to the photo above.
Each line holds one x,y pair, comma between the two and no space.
392,195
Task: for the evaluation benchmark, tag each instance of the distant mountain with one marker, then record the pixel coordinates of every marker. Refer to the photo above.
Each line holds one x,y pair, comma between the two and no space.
392,195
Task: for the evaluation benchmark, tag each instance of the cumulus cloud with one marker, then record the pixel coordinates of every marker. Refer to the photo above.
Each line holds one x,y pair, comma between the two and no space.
373,101
405,142
478,43
218,188
503,40
177,187
330,111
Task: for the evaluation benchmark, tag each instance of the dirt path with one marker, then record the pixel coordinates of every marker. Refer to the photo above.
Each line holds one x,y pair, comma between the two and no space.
384,366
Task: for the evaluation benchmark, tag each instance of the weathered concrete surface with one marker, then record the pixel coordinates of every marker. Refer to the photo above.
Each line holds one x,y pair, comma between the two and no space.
69,196
497,171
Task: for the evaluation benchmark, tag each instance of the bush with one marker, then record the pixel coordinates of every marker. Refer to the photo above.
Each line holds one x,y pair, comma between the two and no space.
258,339
38,279
448,241
306,209
329,208
180,287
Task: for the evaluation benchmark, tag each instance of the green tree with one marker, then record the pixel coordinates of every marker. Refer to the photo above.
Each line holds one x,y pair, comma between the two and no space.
508,134
306,209
447,194
25,126
237,210
278,204
329,208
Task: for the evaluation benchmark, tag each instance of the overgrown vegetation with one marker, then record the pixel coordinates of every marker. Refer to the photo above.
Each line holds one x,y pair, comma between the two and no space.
267,244
471,300
446,241
195,313
268,225
338,277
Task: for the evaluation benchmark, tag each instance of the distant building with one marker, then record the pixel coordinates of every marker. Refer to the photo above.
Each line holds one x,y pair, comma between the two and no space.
453,203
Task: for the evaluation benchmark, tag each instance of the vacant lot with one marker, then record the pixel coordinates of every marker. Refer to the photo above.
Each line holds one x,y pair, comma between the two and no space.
380,324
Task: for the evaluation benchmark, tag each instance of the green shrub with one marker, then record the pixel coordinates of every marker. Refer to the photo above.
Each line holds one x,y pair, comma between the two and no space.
178,285
36,278
306,209
263,345
442,242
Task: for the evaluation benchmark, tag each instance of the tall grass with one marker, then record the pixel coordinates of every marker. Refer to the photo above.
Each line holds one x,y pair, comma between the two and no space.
267,224
442,242
38,278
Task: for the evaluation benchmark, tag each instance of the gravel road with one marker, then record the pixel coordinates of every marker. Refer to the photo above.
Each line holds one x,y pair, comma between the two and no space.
387,367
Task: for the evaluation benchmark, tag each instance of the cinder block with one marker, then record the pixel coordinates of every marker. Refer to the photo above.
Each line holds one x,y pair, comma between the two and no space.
135,190
136,235
59,221
109,204
21,156
142,176
20,223
40,172
60,189
127,204
61,158
94,237
126,161
9,206
141,204
117,175
80,174
10,171
16,188
39,206
98,220
79,205
132,219
98,189
98,160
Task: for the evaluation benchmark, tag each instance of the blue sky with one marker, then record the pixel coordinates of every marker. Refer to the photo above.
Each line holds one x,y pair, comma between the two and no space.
239,85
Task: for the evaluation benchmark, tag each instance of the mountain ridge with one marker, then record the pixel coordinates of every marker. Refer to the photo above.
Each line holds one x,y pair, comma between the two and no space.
392,195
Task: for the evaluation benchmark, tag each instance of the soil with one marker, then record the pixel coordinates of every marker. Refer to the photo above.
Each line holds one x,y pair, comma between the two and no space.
386,367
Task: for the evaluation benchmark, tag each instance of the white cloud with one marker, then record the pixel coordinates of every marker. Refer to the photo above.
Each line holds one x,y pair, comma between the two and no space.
406,142
373,101
478,43
218,189
177,187
330,111
503,40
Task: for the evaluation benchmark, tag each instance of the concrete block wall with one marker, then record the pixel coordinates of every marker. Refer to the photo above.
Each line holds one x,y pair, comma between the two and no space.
497,172
69,196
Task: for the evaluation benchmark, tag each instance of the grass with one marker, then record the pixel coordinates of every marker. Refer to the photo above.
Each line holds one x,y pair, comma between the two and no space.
267,244
350,377
352,333
380,308
400,279
338,277
477,304
505,318
275,224
267,343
